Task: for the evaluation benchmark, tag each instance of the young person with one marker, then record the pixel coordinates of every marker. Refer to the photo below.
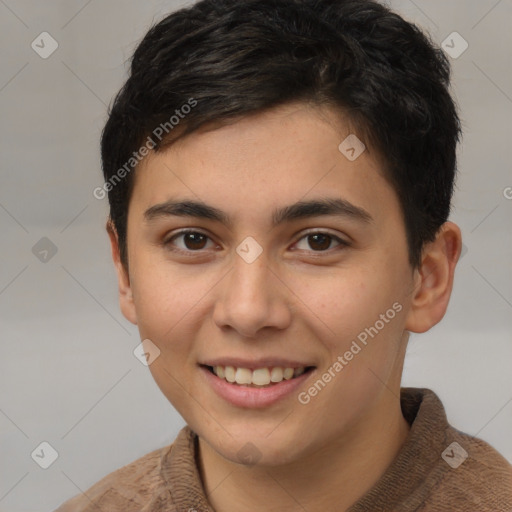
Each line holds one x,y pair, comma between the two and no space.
280,175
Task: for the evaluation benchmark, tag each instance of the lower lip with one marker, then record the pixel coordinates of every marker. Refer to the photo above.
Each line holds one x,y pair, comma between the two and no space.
244,396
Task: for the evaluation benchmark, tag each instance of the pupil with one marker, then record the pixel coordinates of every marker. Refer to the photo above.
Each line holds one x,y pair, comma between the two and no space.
322,238
194,238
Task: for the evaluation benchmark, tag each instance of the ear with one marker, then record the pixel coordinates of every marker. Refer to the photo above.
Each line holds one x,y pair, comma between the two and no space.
125,291
433,281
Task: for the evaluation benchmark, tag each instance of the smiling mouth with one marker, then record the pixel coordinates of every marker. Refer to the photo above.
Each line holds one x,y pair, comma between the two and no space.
259,377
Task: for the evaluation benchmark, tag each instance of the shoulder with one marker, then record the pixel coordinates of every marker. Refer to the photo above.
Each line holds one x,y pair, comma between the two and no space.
475,476
128,489
448,469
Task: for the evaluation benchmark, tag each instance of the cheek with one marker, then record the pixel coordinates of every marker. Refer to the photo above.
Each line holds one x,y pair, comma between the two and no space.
343,302
166,304
163,296
360,317
170,307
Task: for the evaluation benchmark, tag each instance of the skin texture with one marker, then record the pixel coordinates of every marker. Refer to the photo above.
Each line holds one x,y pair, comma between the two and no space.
294,301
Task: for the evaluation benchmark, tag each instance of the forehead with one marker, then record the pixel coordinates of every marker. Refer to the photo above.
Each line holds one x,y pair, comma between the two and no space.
266,161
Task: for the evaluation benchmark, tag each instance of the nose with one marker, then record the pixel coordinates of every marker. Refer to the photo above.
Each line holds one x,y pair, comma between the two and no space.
251,298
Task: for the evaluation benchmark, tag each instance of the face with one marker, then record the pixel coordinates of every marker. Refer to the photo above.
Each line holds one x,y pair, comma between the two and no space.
296,257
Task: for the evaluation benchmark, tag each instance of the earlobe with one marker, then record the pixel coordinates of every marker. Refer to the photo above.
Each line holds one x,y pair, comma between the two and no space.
434,279
126,302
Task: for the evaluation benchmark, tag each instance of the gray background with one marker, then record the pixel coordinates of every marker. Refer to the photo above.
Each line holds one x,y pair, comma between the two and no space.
68,375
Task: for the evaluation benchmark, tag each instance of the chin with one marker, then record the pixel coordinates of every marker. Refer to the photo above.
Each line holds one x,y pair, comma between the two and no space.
256,446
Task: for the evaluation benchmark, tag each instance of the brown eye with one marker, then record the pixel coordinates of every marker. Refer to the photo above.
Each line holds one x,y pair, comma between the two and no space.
194,240
319,242
191,241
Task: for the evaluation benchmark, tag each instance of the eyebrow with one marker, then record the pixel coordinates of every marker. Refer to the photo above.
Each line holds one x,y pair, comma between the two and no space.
300,210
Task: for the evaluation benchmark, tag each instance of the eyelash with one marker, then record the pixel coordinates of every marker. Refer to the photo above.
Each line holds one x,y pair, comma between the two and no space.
167,243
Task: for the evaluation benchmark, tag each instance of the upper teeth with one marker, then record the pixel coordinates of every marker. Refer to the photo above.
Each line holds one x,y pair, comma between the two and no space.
259,376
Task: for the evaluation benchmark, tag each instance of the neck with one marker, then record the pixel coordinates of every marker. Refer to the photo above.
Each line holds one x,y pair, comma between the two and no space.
340,472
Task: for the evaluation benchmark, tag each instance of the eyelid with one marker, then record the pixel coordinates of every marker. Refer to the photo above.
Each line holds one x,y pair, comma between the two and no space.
325,231
184,231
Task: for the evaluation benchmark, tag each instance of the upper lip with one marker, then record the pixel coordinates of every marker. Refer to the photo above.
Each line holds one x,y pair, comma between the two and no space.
267,362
